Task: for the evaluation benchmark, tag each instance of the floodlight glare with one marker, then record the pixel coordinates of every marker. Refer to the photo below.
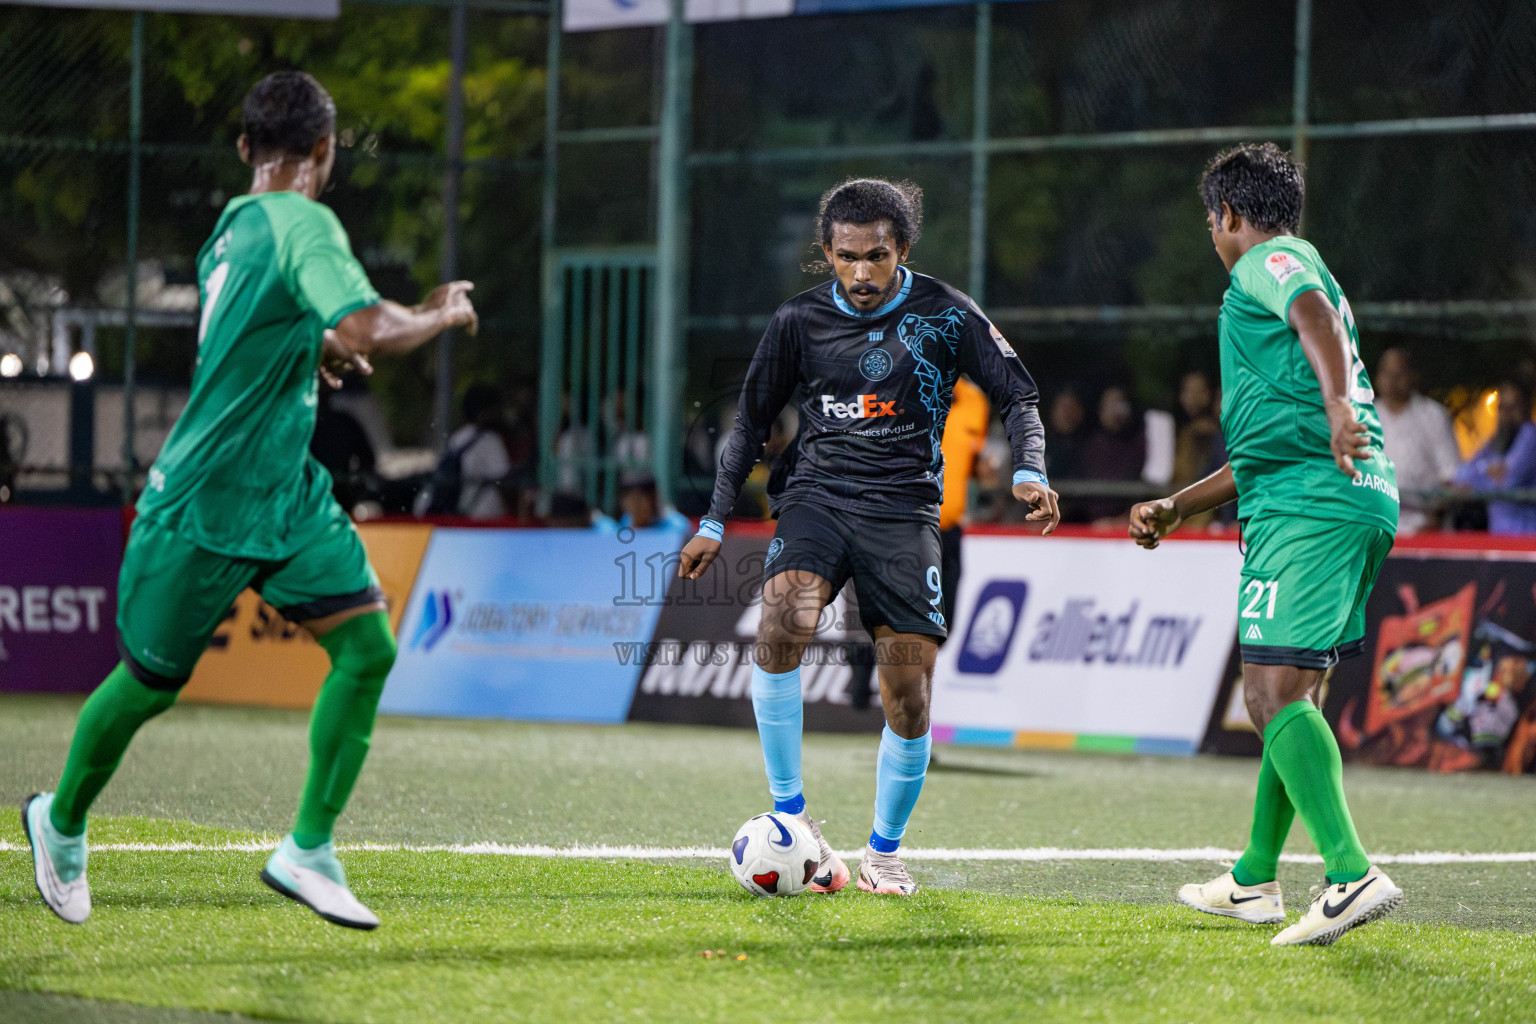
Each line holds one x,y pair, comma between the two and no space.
81,366
10,365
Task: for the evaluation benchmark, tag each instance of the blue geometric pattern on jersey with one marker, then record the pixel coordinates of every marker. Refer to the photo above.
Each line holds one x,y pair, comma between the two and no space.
922,335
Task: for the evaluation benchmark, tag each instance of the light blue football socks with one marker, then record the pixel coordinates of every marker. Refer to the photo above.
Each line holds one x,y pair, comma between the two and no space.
899,778
776,702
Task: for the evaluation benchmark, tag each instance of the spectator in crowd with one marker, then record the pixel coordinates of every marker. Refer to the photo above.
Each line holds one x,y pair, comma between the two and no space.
573,450
1200,431
630,448
1066,437
642,507
1416,435
993,473
1116,450
1506,462
475,476
1199,439
341,445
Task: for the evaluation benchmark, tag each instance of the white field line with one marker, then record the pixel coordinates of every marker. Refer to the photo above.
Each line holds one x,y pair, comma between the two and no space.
1033,854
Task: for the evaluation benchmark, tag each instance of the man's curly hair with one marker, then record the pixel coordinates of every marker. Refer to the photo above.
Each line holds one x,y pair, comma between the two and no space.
1259,182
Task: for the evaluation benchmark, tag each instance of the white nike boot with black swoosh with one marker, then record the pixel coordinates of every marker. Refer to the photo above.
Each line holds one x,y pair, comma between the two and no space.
1338,908
1256,904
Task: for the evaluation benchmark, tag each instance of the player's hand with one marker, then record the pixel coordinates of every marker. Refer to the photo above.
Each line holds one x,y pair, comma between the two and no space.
1151,521
696,556
1349,440
1042,505
452,299
336,359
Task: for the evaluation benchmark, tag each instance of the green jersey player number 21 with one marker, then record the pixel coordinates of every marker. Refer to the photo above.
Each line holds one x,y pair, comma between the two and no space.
1317,501
235,500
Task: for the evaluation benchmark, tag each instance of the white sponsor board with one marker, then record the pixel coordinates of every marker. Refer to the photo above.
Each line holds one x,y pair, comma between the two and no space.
589,15
267,8
1076,637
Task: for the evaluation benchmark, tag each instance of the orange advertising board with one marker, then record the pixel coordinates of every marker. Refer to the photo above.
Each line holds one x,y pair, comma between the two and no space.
259,658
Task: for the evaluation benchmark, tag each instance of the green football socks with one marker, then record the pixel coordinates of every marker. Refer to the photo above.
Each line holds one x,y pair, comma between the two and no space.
108,720
362,650
1273,813
1302,755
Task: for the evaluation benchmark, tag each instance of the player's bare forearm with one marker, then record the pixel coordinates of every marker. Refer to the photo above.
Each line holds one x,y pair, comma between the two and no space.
1213,492
1151,521
392,329
1326,346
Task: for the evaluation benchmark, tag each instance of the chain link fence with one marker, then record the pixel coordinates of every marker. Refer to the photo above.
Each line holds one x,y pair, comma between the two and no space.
1060,180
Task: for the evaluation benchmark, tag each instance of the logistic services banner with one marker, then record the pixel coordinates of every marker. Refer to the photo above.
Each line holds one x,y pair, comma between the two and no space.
1086,643
58,597
530,624
258,658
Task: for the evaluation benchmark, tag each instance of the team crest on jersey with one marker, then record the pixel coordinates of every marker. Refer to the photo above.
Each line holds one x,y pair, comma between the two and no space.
774,548
1282,265
876,363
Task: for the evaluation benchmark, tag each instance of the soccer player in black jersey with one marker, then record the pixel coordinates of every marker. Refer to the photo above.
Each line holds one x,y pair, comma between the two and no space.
876,351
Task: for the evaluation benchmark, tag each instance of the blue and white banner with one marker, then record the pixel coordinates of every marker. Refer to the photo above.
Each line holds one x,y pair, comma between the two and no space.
1077,642
590,15
530,624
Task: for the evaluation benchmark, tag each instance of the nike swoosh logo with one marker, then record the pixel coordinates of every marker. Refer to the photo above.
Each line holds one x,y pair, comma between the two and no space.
1243,899
1332,910
785,840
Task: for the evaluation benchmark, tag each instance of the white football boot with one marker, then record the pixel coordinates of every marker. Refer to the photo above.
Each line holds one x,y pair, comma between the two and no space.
1338,908
831,874
315,879
1256,904
58,862
884,874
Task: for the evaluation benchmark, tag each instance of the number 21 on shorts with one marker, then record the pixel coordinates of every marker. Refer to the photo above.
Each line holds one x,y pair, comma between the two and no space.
1256,592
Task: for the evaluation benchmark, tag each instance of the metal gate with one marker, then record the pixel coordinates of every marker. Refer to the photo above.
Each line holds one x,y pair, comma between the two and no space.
594,416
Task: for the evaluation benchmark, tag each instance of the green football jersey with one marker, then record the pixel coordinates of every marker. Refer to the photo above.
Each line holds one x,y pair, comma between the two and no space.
235,476
1271,407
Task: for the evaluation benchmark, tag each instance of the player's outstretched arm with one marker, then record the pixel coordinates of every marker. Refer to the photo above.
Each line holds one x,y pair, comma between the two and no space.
392,329
1151,521
1326,346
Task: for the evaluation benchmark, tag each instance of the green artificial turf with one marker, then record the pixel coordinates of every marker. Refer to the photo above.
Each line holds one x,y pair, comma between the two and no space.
477,938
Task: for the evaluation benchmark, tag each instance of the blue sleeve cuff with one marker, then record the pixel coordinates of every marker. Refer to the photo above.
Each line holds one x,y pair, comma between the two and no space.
1028,476
714,529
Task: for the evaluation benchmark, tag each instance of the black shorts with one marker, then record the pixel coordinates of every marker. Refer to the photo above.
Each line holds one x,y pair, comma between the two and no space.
894,563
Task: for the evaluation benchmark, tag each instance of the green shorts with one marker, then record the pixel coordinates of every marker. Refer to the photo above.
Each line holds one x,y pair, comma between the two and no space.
1304,587
172,594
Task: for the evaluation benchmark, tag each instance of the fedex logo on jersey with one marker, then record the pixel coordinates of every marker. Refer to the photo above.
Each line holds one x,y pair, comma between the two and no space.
863,408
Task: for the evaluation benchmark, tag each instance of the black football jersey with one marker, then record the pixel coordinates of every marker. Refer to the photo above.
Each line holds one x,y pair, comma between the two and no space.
876,391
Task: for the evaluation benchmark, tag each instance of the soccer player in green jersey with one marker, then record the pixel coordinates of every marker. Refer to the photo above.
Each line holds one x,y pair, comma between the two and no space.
1317,501
235,500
